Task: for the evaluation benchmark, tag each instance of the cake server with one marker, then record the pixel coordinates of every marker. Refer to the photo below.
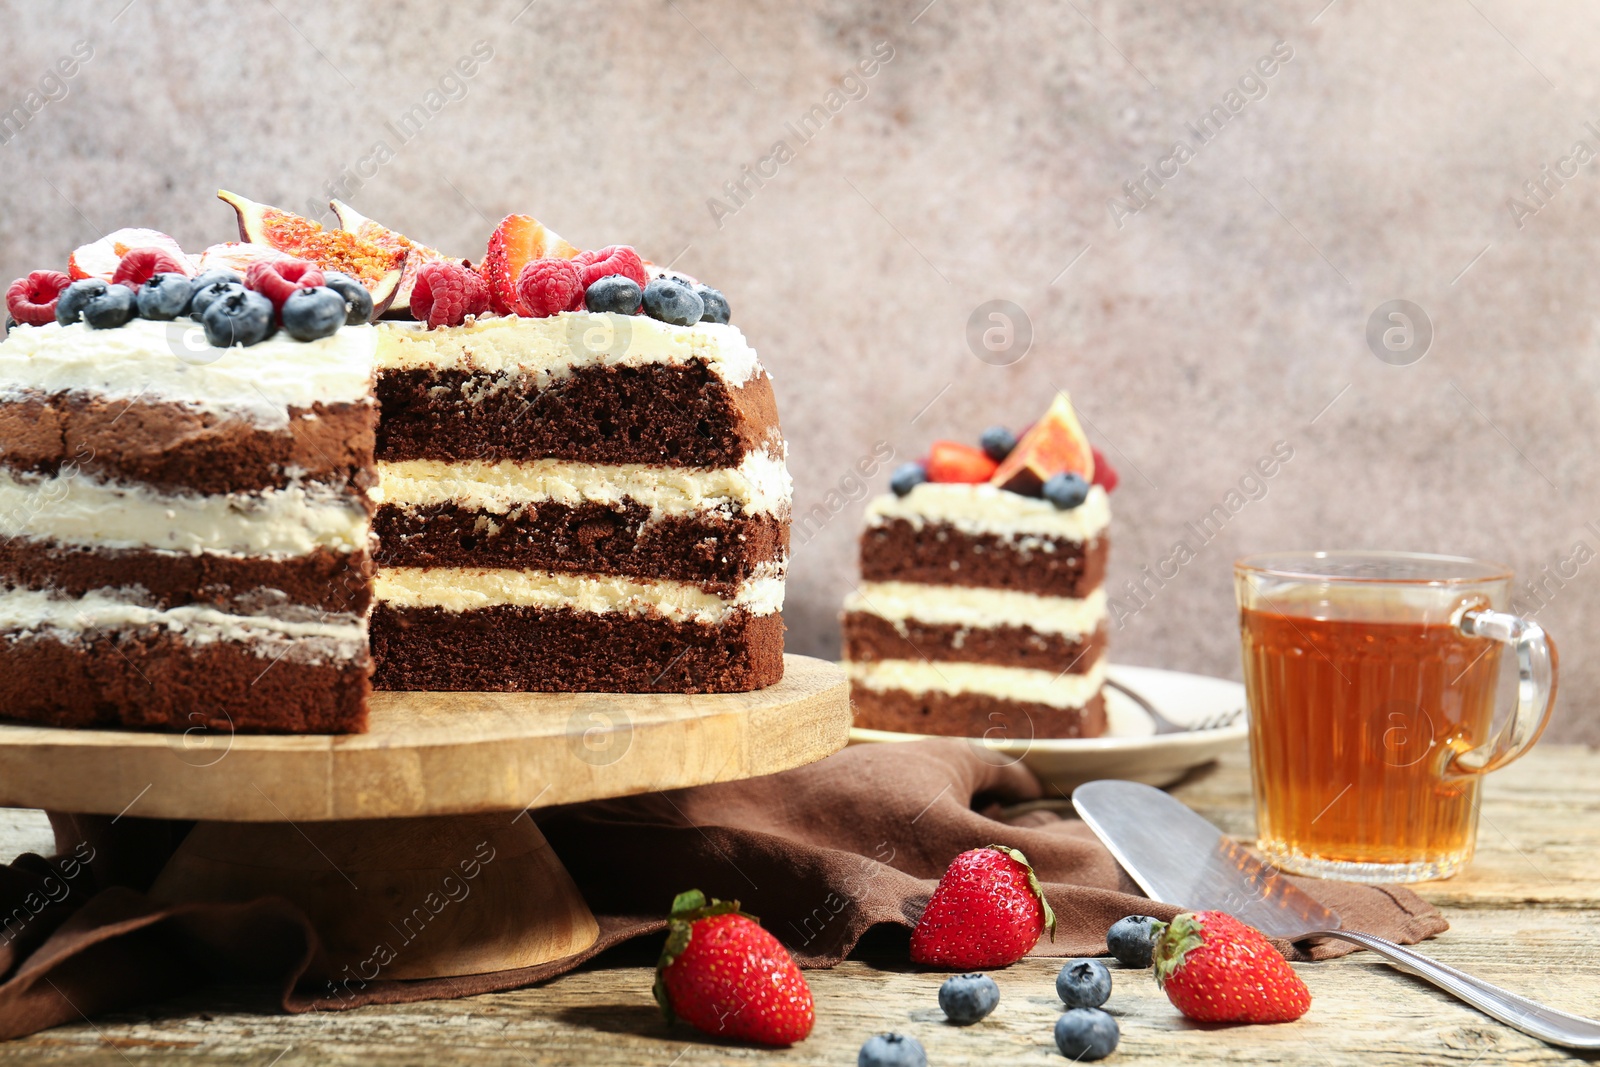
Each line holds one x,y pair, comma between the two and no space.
1178,857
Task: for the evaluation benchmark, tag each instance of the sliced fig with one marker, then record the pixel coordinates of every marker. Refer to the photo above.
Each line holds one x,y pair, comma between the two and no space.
366,261
353,221
1053,445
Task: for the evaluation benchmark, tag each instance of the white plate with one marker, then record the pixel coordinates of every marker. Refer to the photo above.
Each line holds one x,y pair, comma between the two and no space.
1131,748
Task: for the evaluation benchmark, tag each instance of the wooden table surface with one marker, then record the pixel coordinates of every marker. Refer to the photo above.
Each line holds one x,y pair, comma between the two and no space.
1526,915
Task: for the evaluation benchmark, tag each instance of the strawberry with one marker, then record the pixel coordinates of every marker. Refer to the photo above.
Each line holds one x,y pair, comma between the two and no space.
516,242
32,300
547,286
1105,475
445,293
101,258
987,911
139,265
951,461
722,973
1216,969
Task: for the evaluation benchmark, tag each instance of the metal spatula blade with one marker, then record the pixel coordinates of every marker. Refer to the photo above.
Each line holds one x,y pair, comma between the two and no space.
1179,858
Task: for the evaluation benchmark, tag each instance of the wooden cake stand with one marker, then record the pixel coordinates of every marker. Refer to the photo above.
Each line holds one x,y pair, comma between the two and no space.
413,836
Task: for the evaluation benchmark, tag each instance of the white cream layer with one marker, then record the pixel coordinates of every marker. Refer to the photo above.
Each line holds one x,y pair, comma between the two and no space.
1007,683
988,509
471,588
954,605
552,348
72,509
32,612
171,362
760,485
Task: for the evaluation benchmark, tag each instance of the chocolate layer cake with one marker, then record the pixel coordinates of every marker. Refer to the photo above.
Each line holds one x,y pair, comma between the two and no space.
579,502
981,611
186,539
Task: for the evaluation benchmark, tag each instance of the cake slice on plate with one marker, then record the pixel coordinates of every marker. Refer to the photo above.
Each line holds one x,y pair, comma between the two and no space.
980,611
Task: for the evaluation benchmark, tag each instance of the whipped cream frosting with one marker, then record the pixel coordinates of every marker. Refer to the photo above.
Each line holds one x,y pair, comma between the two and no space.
760,485
471,588
1007,683
72,509
172,362
954,605
988,509
552,348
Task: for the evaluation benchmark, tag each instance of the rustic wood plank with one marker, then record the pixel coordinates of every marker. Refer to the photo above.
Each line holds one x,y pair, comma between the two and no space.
1524,919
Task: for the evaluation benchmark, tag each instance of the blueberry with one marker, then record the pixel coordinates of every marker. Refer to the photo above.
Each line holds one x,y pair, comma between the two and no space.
205,295
672,302
76,297
241,317
716,304
1066,490
907,477
1083,984
891,1050
314,313
614,293
1133,940
165,296
217,274
997,442
358,302
966,998
1086,1034
109,309
10,322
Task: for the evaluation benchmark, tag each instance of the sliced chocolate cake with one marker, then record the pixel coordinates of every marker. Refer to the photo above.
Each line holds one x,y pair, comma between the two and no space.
981,611
185,539
561,517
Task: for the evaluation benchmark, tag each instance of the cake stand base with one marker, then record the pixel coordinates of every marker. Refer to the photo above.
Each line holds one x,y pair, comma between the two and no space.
397,898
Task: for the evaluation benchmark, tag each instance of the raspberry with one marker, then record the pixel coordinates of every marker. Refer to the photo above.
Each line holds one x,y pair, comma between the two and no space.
139,265
547,286
612,259
1105,475
32,300
445,293
275,279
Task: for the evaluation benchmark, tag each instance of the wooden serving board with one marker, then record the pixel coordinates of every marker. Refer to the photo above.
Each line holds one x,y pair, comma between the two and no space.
437,754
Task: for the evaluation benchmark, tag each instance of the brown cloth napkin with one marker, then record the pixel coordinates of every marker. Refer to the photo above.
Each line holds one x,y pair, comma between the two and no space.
822,854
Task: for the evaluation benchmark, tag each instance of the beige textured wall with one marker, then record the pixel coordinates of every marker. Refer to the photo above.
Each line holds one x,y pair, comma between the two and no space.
1225,315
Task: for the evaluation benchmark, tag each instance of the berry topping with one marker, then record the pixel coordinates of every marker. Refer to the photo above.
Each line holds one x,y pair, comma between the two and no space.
1105,475
672,302
966,998
516,242
1052,445
722,973
1214,968
164,296
1132,940
101,258
716,305
75,297
33,299
205,295
997,443
109,309
1086,1034
142,264
275,279
310,314
907,477
238,317
381,265
445,293
1083,984
951,461
548,286
613,293
1065,490
891,1050
358,302
612,259
988,910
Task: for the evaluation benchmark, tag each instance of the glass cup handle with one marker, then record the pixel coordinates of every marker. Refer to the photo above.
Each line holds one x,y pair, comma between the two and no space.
1536,687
